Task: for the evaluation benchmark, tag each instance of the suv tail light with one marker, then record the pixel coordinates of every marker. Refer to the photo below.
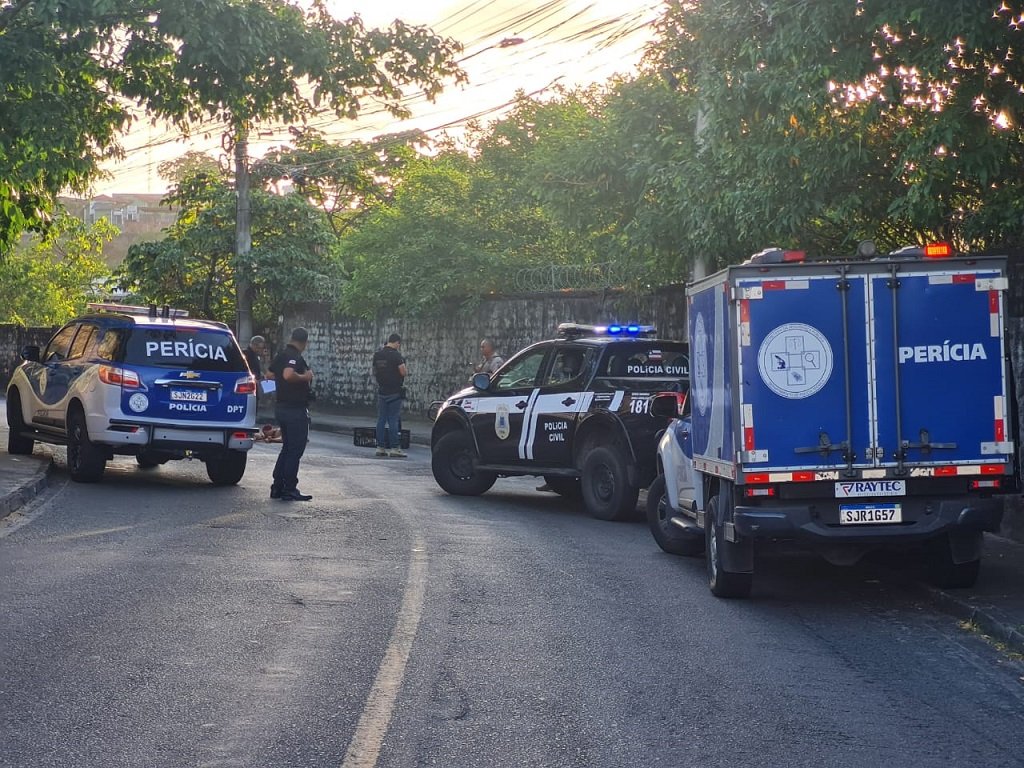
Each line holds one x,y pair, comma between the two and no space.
119,377
246,386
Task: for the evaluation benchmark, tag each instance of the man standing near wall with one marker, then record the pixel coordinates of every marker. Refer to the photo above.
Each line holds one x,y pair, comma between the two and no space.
293,376
389,370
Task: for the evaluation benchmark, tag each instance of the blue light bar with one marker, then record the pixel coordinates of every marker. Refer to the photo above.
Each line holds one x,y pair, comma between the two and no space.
579,330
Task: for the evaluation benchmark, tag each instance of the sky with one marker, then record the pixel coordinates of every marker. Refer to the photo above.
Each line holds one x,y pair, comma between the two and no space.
563,42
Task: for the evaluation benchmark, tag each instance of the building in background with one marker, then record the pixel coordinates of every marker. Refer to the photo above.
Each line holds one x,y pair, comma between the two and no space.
139,217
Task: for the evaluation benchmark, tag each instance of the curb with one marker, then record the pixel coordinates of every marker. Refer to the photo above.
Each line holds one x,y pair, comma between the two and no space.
16,499
987,618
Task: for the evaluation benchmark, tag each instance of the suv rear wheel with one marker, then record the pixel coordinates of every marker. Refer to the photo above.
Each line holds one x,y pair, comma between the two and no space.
453,462
604,480
226,469
86,460
17,443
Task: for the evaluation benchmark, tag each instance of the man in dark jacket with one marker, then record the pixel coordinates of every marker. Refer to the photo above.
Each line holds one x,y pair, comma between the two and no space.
389,370
293,376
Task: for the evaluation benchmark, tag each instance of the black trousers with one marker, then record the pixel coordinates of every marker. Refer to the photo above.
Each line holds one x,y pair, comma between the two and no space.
294,423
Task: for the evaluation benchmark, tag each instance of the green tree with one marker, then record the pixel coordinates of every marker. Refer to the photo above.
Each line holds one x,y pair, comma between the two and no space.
452,231
59,116
243,62
823,124
49,279
194,267
343,179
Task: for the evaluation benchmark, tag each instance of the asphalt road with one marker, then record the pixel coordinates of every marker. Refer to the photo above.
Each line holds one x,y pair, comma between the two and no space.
154,620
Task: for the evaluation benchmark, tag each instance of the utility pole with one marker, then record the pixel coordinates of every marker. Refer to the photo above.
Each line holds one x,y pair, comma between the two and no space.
243,238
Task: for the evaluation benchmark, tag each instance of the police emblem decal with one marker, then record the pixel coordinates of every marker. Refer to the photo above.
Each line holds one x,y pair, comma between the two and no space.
502,428
795,360
138,402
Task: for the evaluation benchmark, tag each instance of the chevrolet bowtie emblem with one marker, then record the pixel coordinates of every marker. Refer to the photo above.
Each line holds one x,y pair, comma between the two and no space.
189,375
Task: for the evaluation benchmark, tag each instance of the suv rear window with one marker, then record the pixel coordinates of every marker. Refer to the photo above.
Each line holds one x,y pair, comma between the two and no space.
655,361
198,349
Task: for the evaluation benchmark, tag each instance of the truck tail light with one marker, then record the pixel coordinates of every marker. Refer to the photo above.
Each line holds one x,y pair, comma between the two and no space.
119,377
753,493
246,386
977,485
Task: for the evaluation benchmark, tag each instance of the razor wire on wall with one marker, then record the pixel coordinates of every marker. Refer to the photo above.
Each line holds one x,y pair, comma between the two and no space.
578,277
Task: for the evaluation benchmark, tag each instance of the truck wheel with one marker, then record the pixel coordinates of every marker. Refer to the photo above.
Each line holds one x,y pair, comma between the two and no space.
568,487
453,462
943,572
17,443
670,537
723,583
604,480
226,469
86,461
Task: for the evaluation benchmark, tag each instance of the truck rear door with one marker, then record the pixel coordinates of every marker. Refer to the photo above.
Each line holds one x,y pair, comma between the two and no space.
940,384
803,370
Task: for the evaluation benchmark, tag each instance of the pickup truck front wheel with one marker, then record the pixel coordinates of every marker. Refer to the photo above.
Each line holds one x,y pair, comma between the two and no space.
670,537
453,462
723,583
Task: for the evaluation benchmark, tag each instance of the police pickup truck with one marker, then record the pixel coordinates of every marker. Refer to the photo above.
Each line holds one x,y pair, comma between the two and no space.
574,410
135,381
848,404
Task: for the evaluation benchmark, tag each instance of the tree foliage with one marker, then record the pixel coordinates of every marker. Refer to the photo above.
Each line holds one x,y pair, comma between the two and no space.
195,266
48,280
823,124
58,118
343,180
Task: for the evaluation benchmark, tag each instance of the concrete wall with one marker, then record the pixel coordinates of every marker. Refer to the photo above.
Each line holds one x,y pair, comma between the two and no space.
12,339
440,353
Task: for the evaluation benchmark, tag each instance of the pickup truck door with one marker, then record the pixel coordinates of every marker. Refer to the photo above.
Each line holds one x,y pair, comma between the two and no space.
499,416
550,426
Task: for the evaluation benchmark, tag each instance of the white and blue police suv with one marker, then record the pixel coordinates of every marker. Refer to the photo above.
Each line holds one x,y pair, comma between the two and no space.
574,410
136,381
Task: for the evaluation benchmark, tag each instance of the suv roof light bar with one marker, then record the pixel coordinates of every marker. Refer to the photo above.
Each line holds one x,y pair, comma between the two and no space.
165,312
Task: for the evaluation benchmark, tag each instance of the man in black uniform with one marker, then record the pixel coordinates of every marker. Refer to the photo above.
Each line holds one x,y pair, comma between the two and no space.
293,376
389,370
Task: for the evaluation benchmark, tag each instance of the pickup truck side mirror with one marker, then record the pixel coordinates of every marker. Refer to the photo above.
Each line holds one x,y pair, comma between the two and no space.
30,353
668,405
482,381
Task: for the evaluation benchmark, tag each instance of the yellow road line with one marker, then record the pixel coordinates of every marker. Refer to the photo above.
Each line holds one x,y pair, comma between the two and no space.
364,749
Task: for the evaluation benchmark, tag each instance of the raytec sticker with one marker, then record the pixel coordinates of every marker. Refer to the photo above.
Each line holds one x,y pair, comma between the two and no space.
795,361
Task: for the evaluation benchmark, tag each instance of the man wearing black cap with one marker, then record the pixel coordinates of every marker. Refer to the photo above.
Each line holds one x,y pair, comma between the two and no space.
293,376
